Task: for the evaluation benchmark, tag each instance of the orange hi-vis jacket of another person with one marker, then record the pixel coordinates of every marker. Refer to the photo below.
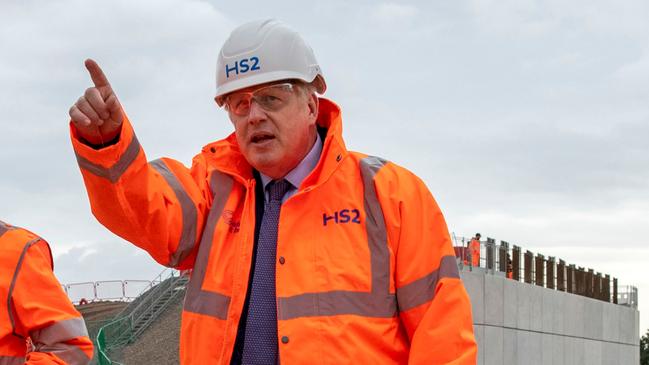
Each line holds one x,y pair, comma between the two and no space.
474,250
38,324
366,271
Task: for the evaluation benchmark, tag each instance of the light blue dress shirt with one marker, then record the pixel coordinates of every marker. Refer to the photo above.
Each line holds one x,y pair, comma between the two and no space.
300,172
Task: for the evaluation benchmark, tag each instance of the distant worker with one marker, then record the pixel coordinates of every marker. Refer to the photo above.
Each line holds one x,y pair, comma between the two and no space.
302,251
510,268
474,250
38,323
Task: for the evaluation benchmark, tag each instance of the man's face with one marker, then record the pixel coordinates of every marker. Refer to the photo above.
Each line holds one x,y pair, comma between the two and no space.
275,126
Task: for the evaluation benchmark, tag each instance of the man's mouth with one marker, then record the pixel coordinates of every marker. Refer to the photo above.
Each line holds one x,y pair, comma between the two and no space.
261,137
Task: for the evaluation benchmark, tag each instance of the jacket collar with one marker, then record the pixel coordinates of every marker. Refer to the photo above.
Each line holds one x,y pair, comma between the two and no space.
226,155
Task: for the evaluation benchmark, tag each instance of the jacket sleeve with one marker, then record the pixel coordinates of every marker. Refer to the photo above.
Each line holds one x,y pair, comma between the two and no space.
433,303
159,206
42,312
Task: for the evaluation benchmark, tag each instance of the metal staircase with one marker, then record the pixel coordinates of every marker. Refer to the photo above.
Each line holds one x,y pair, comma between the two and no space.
166,295
138,315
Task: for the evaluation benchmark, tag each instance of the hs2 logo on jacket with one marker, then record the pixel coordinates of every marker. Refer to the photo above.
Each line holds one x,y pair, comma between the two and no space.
342,216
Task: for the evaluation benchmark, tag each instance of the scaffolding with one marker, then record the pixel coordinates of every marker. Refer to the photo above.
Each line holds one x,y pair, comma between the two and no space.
499,259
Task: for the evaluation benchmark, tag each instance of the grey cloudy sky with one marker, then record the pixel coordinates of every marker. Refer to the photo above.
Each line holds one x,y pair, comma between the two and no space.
528,120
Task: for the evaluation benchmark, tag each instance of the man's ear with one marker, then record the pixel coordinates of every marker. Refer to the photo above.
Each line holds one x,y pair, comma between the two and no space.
313,104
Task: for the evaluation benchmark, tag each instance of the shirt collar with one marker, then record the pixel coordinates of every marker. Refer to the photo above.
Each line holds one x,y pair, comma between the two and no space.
303,169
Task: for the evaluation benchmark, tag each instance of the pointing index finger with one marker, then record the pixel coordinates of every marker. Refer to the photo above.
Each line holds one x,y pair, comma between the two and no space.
97,75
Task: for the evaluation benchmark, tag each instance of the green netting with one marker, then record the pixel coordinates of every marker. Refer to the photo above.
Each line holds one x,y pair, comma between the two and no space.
112,337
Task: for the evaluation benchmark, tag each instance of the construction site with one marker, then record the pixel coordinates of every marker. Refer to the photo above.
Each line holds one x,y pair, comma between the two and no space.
527,309
139,137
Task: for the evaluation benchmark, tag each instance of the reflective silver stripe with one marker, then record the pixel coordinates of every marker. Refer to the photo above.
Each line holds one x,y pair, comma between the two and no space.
189,214
376,303
71,354
13,283
333,303
422,290
377,235
52,339
11,360
197,300
114,172
60,331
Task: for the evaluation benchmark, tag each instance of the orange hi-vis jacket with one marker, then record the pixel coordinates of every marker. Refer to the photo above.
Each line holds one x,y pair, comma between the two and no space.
34,308
366,271
474,249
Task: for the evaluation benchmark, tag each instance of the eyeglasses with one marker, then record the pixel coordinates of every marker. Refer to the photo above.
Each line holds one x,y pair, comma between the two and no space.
271,98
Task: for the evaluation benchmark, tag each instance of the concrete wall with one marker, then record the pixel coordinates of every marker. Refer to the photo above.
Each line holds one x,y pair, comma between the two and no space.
519,323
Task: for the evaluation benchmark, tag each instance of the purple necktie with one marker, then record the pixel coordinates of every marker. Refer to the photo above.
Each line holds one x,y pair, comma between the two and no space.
260,341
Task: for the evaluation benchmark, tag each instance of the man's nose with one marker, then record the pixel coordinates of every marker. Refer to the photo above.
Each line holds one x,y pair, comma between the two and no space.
257,113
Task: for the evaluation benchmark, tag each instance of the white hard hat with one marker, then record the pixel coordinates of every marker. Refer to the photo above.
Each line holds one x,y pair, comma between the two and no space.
264,51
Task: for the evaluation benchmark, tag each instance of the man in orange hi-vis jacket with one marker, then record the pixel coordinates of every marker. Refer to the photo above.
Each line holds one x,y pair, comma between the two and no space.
474,250
301,251
38,324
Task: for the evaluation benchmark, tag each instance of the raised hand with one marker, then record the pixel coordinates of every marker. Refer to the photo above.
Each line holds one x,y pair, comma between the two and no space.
97,114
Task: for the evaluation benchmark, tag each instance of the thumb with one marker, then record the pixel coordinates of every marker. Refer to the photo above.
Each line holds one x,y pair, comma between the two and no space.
115,109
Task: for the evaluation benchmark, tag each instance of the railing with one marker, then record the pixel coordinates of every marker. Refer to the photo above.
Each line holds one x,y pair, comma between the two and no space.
151,287
499,259
628,295
119,290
